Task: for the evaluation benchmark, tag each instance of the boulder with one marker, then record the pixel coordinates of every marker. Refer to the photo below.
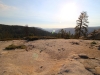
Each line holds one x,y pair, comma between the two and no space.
97,69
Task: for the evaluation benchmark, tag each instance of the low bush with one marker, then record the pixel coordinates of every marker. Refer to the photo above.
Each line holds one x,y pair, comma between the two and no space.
21,47
12,47
7,39
48,37
31,38
93,42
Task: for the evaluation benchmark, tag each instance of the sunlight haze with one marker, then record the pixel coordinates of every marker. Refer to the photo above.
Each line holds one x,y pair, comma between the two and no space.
48,13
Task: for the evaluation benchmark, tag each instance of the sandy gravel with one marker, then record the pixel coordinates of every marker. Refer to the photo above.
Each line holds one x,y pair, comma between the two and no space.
50,57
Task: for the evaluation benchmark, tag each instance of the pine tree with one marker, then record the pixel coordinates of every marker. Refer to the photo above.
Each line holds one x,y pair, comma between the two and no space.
26,31
82,24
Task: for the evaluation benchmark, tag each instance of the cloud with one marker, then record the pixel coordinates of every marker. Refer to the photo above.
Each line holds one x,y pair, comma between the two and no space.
7,10
4,7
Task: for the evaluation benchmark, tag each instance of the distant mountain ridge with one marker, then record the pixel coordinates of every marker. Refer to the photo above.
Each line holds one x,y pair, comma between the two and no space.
72,30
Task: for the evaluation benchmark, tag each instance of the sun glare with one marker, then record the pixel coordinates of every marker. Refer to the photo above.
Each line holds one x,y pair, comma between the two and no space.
68,12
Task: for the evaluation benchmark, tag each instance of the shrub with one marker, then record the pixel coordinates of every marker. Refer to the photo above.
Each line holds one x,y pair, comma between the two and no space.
21,47
32,38
48,37
7,39
12,47
93,42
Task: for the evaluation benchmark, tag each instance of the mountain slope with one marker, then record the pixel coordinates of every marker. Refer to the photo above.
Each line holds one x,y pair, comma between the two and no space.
16,31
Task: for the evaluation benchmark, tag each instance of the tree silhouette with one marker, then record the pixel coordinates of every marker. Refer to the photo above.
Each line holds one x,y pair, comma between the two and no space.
94,34
26,31
82,24
62,33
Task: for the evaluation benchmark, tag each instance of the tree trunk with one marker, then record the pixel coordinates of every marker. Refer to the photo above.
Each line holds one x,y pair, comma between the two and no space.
80,28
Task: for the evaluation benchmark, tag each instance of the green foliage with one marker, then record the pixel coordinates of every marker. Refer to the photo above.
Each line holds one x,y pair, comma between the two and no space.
94,34
48,37
7,39
63,34
93,42
32,38
82,24
21,47
12,47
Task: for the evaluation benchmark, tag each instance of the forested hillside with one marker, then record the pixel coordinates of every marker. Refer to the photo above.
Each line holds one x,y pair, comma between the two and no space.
15,31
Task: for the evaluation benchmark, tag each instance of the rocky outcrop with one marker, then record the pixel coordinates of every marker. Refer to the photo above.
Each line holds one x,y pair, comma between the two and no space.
90,64
51,57
97,69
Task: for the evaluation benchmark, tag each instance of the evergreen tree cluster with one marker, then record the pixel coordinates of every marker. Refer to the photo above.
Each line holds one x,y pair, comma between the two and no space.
15,31
63,34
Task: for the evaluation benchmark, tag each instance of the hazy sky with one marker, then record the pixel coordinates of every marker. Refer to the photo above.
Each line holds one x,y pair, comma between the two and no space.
48,13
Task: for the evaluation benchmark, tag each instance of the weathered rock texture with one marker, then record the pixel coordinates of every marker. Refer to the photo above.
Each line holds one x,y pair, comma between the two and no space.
50,57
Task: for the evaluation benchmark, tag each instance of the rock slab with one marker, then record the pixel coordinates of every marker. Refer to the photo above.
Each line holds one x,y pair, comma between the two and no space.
97,69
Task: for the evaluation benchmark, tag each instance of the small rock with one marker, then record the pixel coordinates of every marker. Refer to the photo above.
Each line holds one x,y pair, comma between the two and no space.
41,51
66,71
97,69
63,49
74,56
58,49
84,56
41,67
60,73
